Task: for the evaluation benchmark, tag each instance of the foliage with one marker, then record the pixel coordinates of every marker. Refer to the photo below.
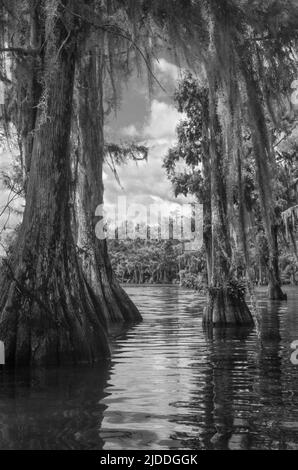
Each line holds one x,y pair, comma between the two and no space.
183,165
155,261
183,161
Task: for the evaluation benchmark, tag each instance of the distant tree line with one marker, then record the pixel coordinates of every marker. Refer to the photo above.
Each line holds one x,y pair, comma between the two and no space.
166,262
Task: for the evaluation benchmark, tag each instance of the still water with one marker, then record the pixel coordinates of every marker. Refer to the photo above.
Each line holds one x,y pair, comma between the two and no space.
169,385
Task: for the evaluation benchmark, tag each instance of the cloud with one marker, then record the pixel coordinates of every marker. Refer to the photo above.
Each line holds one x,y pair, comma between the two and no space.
130,131
168,70
146,182
162,122
152,123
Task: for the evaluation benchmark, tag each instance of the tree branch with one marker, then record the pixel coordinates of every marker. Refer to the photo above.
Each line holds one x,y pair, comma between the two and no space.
116,30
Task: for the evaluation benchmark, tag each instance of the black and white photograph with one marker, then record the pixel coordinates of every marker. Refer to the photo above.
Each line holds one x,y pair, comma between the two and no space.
149,229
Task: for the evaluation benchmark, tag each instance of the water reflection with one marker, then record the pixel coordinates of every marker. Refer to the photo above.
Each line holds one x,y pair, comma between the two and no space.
231,385
52,409
169,385
275,422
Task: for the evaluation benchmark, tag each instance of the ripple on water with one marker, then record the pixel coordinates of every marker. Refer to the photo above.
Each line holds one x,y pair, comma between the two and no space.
178,388
168,385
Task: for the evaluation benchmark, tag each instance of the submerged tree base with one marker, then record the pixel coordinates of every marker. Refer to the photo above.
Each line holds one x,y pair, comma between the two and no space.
225,308
48,314
275,292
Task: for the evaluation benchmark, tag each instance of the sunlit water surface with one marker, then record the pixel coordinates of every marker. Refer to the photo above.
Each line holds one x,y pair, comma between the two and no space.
169,385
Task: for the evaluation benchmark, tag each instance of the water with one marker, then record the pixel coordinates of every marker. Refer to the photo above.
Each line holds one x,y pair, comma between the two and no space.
169,385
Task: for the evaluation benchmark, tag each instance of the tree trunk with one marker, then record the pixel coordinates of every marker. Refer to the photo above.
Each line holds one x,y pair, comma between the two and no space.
264,162
226,301
207,209
225,306
274,290
260,274
48,313
27,93
33,93
114,301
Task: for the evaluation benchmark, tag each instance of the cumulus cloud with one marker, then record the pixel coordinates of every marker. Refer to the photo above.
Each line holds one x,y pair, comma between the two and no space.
162,122
167,69
129,131
146,182
151,123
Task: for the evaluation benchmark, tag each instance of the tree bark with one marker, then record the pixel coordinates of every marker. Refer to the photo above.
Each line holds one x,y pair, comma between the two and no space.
225,302
28,92
115,303
225,307
264,161
274,290
207,209
48,313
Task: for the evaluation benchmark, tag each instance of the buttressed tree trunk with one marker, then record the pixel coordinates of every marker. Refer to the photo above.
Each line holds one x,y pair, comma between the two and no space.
115,303
48,313
226,299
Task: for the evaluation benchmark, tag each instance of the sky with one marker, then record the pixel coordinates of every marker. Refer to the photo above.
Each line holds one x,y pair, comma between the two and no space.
152,122
148,120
